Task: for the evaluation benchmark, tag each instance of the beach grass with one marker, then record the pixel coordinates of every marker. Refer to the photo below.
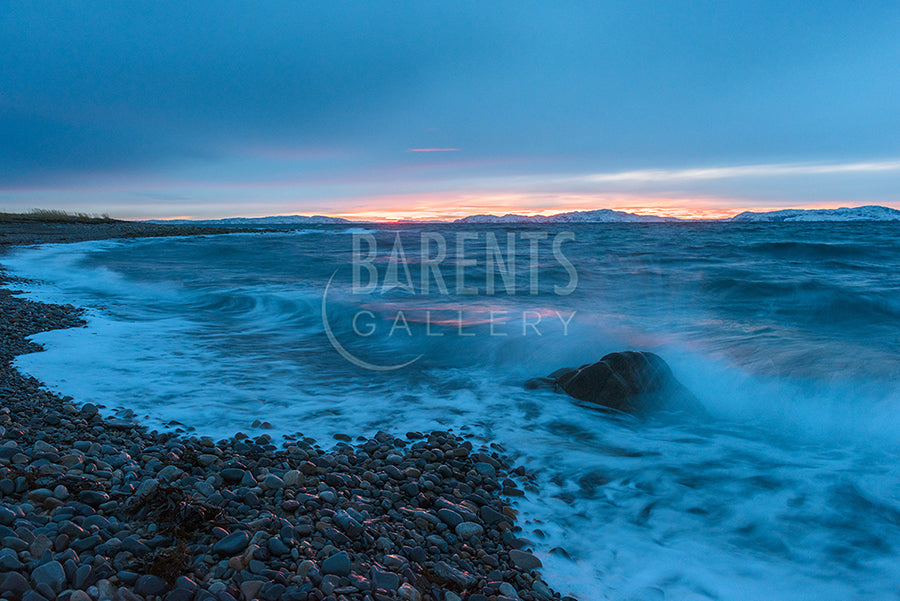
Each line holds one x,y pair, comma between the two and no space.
56,216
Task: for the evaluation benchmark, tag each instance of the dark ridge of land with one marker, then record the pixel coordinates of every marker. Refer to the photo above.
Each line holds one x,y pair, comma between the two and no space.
96,507
25,232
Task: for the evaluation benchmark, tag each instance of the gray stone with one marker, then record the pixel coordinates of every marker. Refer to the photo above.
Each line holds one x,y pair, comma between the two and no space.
348,524
232,474
186,583
489,515
169,473
338,564
274,592
541,591
146,488
277,547
83,544
408,593
133,545
232,544
485,469
79,596
272,482
83,576
149,585
40,544
14,583
248,480
127,577
523,560
450,517
9,560
42,447
292,478
467,530
446,572
50,574
385,580
180,594
207,459
250,588
93,497
205,488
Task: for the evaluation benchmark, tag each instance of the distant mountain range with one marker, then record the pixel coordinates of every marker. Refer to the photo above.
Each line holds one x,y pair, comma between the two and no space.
272,220
867,213
598,216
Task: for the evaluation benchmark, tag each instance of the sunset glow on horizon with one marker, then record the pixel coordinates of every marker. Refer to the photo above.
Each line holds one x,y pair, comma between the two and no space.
682,111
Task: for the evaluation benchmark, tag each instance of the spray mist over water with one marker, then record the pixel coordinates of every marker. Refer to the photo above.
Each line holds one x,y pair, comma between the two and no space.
788,335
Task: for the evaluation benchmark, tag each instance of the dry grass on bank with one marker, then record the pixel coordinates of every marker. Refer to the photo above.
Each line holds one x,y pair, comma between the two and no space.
56,216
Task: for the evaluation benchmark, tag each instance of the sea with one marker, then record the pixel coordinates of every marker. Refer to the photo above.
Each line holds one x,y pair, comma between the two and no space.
789,335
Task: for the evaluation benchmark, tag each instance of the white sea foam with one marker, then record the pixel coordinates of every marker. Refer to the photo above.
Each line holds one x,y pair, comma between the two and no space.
789,491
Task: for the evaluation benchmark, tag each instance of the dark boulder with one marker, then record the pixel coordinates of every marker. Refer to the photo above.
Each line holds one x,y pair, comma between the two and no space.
635,382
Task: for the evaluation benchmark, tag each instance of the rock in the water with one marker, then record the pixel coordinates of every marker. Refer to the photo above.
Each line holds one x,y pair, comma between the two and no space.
523,560
636,382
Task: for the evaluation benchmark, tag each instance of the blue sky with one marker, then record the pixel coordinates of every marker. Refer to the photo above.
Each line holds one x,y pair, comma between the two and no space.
211,109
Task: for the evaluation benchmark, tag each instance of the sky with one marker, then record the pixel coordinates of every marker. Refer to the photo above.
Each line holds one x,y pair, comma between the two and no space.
425,109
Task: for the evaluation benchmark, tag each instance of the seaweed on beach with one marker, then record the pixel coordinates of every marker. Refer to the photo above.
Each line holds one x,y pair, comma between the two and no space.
178,513
168,563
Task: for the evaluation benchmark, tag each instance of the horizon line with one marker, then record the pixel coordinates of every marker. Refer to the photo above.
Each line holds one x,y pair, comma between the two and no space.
363,217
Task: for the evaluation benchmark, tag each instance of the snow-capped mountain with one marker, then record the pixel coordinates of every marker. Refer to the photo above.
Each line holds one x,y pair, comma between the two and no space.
598,216
867,213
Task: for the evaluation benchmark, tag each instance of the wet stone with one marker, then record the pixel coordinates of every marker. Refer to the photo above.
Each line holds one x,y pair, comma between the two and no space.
149,585
13,582
232,544
50,574
523,560
9,559
468,530
450,517
232,474
93,497
385,580
276,547
338,564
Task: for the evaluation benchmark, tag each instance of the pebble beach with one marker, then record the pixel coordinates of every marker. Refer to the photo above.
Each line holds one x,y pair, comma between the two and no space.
95,506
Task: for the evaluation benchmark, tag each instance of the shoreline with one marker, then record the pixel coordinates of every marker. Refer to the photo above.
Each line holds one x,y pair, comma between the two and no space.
95,508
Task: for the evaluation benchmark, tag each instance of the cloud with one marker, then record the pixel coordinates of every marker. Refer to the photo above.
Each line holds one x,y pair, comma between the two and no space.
740,171
354,98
